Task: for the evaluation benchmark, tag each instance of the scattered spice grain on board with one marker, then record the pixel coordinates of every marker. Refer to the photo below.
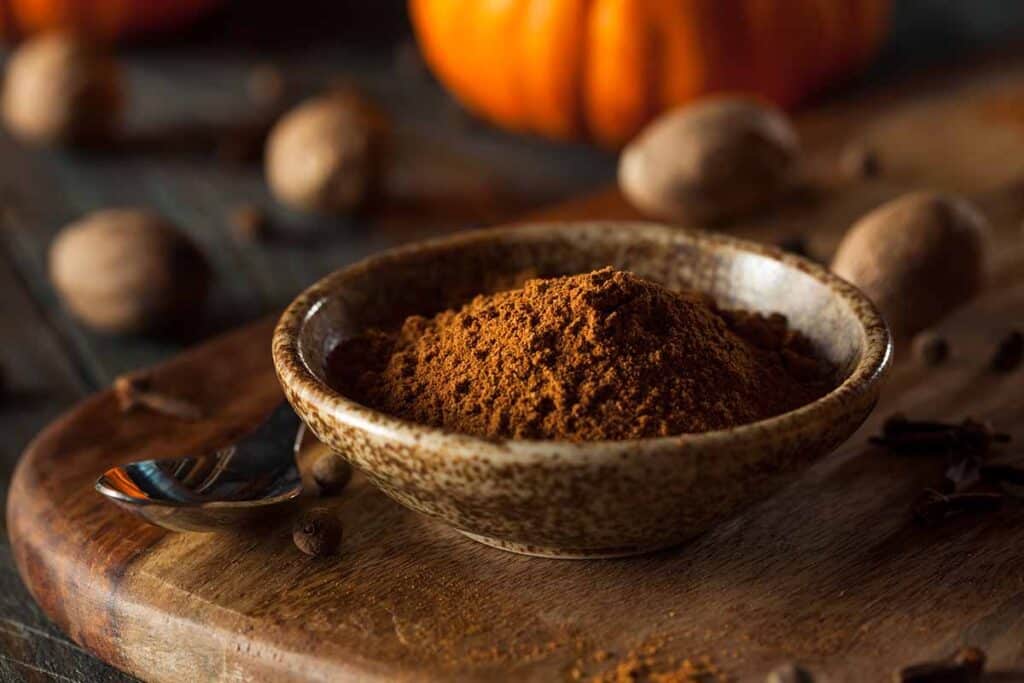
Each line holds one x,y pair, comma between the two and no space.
601,355
646,663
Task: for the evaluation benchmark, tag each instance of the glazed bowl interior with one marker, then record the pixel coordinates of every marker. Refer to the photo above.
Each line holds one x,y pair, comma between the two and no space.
383,291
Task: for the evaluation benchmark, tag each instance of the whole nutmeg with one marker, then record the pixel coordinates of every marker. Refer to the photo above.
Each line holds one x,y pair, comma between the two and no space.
61,90
916,257
710,161
324,155
128,270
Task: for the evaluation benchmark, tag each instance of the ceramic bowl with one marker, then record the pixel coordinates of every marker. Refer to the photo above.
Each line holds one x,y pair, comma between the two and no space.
593,499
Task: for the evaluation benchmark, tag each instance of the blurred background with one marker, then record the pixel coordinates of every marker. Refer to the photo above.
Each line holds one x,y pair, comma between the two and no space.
203,81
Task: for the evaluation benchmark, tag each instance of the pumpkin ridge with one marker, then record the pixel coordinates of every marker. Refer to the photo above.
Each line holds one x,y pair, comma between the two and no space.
580,95
603,68
550,53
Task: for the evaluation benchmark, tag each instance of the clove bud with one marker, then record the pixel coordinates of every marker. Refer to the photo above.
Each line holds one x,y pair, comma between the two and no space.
134,391
932,672
1009,478
965,666
1003,473
932,508
903,436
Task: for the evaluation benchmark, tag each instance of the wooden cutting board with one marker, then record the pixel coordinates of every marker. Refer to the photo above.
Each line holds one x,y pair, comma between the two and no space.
831,572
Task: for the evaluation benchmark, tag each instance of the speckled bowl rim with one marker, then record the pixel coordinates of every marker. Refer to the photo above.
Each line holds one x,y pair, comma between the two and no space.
294,374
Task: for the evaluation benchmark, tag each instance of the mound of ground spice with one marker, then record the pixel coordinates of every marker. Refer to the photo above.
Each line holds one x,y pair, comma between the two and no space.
603,355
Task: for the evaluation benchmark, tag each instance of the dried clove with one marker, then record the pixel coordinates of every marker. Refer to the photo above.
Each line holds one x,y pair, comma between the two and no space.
965,666
1009,353
904,436
135,391
331,472
1000,473
932,508
962,472
1009,478
789,672
248,223
931,348
317,532
933,672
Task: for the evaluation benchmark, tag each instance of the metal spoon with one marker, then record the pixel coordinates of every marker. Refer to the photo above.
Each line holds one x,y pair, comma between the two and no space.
224,489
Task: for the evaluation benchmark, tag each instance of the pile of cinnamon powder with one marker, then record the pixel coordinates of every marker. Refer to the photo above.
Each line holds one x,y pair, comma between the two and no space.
603,355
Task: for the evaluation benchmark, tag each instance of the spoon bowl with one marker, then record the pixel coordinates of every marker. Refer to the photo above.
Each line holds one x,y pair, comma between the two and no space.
227,488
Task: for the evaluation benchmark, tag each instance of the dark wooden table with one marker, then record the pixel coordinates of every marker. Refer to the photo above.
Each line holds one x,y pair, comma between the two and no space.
451,173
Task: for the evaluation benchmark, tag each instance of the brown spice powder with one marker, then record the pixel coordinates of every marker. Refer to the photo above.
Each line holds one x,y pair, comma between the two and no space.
603,355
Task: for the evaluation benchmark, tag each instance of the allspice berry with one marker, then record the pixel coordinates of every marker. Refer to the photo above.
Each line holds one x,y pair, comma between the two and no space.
331,472
62,90
324,155
317,532
710,161
917,257
128,270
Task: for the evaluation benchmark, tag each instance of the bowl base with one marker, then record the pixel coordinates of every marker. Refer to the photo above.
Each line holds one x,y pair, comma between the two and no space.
556,553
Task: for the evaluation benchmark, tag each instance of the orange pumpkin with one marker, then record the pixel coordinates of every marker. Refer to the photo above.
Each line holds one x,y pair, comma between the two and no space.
603,68
99,19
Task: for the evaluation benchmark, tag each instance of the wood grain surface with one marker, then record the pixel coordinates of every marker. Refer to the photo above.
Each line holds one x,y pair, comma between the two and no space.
184,92
831,572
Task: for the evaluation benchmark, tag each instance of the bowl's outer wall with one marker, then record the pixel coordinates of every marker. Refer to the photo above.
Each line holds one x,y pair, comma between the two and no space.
575,499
